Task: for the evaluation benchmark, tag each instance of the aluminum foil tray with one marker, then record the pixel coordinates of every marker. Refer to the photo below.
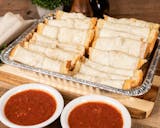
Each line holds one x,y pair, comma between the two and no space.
146,85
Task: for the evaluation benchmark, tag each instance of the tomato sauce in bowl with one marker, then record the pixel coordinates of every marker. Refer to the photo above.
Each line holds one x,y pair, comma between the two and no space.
95,115
95,111
30,107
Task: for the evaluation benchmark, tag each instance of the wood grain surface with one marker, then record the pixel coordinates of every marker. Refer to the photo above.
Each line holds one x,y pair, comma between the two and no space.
142,9
23,7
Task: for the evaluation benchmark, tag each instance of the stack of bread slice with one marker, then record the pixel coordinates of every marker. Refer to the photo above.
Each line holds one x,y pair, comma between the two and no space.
108,51
118,52
11,26
58,44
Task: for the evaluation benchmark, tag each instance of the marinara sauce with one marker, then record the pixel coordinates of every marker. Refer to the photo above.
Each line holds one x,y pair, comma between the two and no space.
30,107
95,115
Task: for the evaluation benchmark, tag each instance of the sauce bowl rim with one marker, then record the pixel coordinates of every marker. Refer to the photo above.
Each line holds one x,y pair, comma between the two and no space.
31,86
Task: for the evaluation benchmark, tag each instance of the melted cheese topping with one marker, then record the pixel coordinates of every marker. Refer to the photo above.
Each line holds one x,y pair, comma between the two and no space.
130,46
114,59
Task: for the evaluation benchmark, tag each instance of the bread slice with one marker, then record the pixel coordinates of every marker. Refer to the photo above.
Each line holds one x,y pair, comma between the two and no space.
88,23
76,36
120,84
36,37
129,46
35,59
112,70
47,30
112,33
115,59
153,27
44,44
109,33
8,21
92,69
72,48
113,83
54,53
143,32
133,22
88,70
65,15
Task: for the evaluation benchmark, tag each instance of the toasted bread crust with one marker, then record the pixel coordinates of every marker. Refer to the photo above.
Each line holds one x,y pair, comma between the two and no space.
59,14
90,36
135,81
40,28
140,63
100,23
152,39
93,22
13,52
46,21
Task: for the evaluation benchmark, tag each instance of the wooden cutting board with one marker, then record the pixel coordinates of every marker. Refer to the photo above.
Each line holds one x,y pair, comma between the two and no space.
139,107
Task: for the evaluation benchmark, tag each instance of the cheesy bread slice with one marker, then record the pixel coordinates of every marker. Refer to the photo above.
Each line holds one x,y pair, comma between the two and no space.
73,23
142,32
65,15
72,48
112,70
146,31
120,84
129,46
115,59
35,59
133,22
47,30
54,53
76,36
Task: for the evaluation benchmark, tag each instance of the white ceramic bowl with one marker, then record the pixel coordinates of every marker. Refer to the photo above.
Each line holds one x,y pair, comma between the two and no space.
50,90
95,98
